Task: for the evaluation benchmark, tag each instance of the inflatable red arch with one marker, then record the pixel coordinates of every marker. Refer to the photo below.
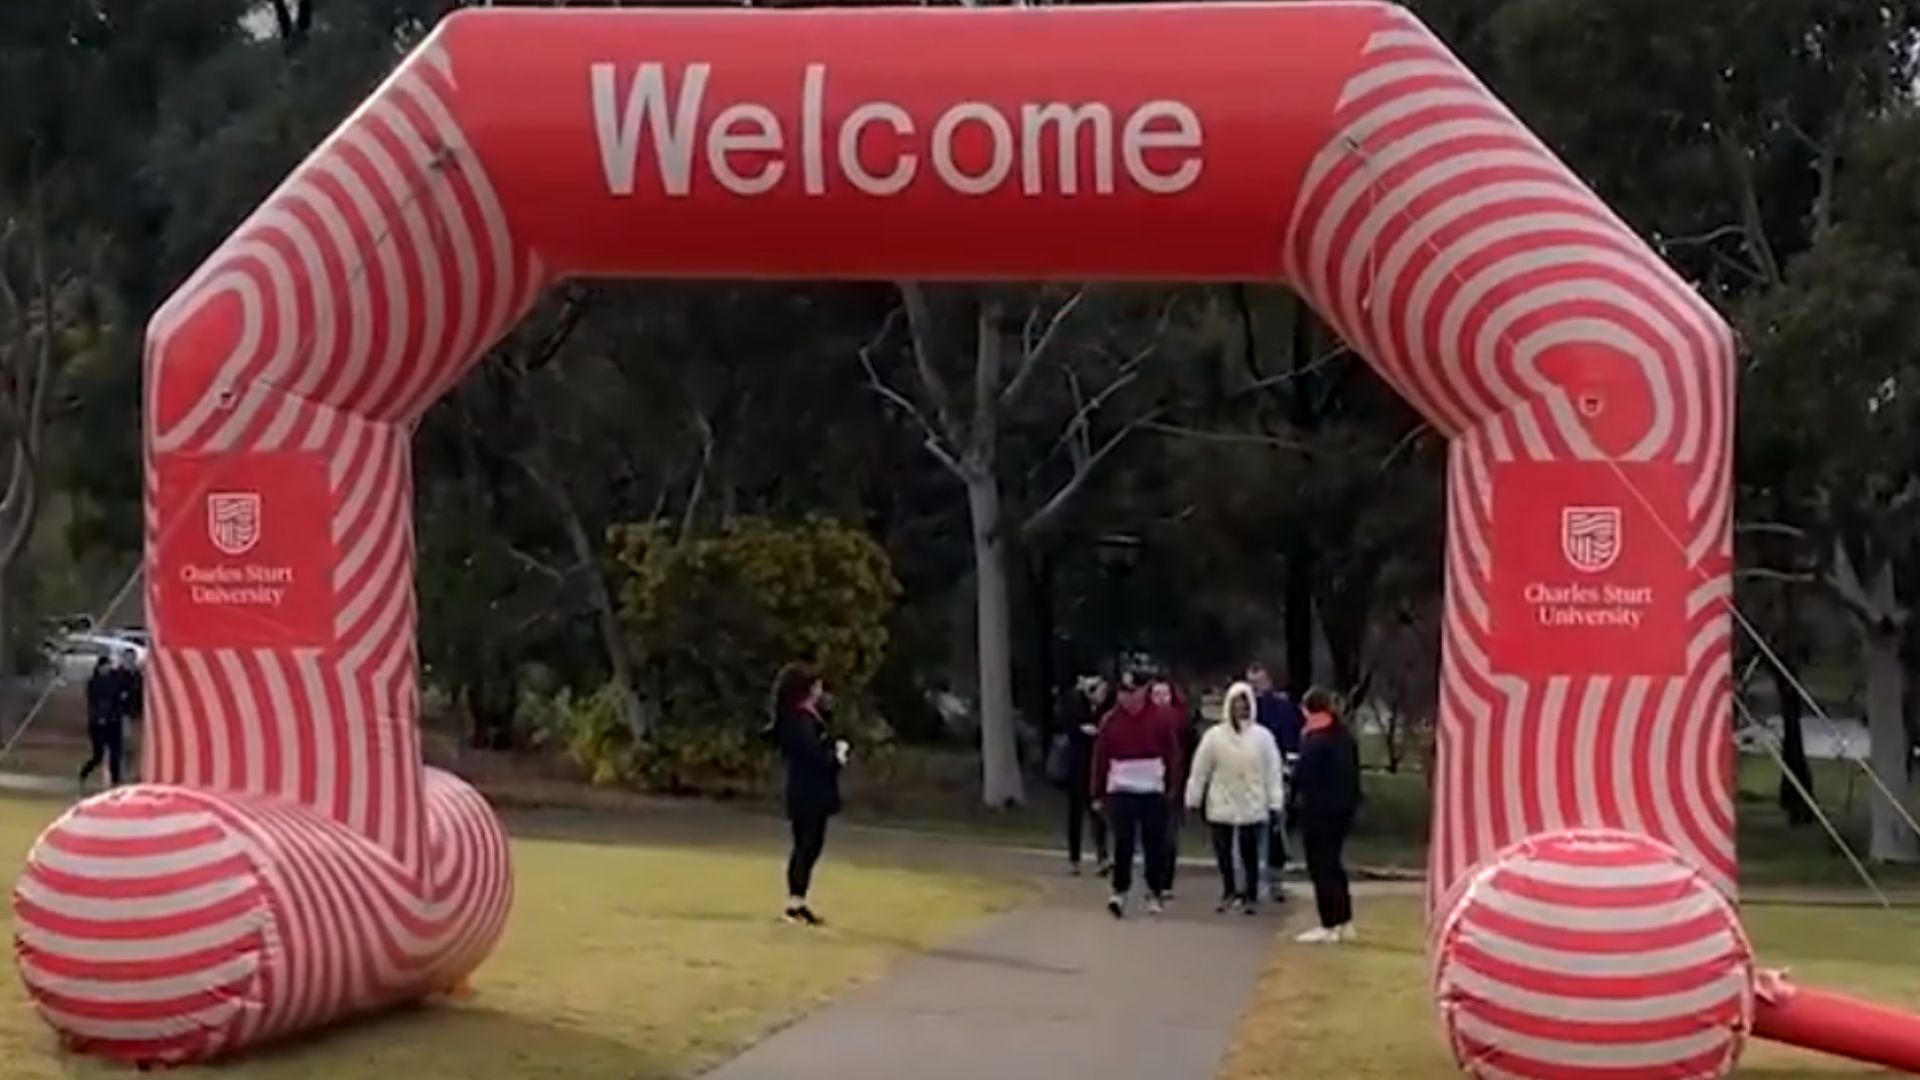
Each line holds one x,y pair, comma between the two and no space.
289,861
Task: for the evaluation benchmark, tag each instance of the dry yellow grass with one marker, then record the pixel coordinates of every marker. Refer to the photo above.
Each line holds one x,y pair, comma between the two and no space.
621,962
1364,1012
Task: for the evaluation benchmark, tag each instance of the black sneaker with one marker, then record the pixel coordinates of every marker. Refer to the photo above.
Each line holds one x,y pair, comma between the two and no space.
804,916
1250,907
1116,907
1106,866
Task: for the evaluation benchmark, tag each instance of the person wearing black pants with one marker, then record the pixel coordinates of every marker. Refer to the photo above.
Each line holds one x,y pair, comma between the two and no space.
1236,780
1090,703
1135,757
813,763
1327,780
104,735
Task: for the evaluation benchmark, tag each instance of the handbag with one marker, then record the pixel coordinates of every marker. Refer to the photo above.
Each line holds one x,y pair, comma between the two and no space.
1059,760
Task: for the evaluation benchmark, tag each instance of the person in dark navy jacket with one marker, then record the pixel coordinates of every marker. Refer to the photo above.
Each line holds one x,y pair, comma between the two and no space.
813,761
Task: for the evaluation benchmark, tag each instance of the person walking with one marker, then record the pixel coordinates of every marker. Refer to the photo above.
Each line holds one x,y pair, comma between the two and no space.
813,763
104,734
1135,756
130,698
1091,700
1171,707
1236,781
1327,782
1276,712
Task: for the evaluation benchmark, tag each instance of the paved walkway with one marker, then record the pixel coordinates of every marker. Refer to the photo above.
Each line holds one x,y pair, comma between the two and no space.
1055,990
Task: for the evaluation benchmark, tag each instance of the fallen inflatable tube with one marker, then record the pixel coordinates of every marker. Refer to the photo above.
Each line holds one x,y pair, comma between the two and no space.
159,925
1836,1024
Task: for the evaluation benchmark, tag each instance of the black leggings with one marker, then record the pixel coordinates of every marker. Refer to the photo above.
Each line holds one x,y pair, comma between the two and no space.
1324,839
107,743
1245,838
809,839
1080,815
1170,850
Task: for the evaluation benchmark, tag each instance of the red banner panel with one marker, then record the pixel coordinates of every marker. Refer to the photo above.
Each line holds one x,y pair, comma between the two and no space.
1590,575
247,561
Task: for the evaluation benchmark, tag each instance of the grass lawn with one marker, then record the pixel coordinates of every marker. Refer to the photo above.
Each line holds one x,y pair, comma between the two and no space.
1392,830
1364,1012
625,962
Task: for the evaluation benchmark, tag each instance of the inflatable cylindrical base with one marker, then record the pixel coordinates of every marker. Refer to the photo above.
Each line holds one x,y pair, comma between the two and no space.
159,925
1595,954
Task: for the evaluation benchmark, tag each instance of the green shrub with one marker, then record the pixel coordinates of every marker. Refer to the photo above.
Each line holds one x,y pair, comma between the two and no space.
709,621
588,728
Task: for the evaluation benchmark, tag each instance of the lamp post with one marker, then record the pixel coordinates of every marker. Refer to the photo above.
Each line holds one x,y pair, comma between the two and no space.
1118,554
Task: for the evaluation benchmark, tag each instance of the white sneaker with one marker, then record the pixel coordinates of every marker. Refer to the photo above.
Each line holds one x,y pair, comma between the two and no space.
1319,935
1155,906
1344,932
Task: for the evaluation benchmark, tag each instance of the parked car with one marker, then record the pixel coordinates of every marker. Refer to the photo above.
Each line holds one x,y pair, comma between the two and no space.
72,658
139,635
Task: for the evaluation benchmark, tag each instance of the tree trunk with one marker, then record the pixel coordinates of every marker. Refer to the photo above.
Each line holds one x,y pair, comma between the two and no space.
1793,748
1892,840
1040,591
632,712
1001,783
1299,612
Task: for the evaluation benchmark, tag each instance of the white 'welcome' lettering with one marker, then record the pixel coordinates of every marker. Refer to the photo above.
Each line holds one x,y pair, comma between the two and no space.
1158,147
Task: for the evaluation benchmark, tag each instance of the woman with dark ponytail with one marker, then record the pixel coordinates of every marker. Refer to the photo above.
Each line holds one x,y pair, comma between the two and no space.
813,761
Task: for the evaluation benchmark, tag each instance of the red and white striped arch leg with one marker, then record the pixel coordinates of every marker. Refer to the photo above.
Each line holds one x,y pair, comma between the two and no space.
289,861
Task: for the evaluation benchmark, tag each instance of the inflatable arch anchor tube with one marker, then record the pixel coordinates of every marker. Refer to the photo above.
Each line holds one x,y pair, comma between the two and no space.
289,862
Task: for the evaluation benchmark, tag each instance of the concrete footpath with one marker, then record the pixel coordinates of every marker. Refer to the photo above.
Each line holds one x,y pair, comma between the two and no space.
1060,989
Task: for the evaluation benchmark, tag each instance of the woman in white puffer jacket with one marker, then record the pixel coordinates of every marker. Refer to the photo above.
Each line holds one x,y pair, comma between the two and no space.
1237,780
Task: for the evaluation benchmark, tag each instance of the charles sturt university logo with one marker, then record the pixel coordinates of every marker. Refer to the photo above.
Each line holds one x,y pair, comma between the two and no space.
233,521
1590,537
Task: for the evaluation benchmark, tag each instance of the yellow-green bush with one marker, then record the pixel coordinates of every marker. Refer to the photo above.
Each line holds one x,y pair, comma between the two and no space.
712,619
708,622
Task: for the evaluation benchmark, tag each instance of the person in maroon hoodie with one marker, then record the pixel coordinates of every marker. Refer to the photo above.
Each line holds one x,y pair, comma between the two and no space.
1135,759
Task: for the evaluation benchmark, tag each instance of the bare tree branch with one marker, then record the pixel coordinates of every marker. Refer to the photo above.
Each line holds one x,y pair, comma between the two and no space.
1404,443
1034,350
1770,528
1767,573
921,329
1733,157
544,569
20,506
934,441
1241,437
1159,335
1699,239
690,513
1874,605
1076,433
571,313
1047,518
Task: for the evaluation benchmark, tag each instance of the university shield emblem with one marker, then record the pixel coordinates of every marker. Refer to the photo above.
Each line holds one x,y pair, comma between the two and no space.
233,521
1590,537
